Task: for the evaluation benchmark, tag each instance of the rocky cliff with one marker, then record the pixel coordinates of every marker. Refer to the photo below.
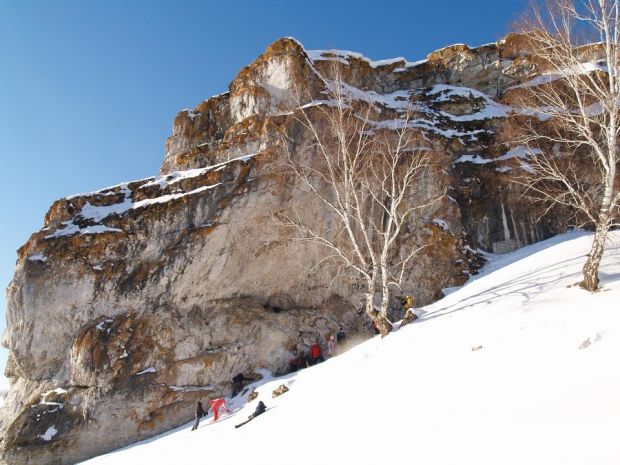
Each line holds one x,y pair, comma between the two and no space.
136,300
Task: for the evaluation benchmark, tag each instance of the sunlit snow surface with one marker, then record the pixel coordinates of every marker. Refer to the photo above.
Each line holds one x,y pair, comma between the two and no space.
516,367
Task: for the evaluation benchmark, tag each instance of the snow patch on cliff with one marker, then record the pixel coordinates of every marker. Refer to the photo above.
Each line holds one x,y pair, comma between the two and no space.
49,433
576,70
71,228
345,57
399,100
97,213
206,387
147,370
471,158
427,118
519,152
175,177
492,109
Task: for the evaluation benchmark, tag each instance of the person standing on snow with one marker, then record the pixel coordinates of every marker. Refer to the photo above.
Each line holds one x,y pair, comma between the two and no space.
331,346
316,355
341,336
199,414
296,363
215,405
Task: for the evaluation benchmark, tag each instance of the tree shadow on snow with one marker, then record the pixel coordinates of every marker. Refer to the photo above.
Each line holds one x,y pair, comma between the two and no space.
527,286
607,278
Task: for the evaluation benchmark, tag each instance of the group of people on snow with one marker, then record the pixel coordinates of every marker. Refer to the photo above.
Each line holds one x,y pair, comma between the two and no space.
216,404
300,360
335,344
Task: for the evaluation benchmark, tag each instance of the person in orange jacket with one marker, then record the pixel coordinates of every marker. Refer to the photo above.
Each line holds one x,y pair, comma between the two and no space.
215,405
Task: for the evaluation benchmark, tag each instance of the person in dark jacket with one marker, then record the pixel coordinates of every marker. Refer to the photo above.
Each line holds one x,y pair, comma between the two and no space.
260,409
341,336
199,414
296,362
238,383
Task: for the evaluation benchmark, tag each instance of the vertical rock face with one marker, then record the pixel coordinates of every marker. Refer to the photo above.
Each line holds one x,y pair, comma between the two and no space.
135,301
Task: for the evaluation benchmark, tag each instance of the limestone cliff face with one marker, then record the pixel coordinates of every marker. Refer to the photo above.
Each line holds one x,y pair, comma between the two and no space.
136,300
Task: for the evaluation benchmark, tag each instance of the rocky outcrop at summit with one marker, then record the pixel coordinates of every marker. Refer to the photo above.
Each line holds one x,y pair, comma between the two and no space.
135,301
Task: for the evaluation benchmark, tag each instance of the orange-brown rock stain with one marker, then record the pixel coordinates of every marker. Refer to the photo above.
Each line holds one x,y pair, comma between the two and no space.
442,249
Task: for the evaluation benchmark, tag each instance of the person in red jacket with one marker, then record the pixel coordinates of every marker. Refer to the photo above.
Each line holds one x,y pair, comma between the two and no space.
316,354
215,404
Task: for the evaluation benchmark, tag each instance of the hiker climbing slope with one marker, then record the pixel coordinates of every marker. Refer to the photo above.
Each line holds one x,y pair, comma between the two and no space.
215,405
198,415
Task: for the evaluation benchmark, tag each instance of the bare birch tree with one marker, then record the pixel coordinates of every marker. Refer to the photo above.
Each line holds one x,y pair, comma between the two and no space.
569,115
365,172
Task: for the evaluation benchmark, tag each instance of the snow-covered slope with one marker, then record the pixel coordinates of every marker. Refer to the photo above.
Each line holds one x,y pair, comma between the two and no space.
516,367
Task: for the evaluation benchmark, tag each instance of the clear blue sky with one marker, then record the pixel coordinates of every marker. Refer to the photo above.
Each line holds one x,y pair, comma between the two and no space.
88,90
